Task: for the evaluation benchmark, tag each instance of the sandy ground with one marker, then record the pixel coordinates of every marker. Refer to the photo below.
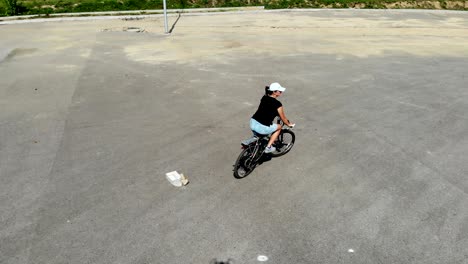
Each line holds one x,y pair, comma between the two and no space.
93,116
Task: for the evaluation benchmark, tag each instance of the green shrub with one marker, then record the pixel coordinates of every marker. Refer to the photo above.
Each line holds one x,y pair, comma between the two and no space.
11,7
153,4
19,7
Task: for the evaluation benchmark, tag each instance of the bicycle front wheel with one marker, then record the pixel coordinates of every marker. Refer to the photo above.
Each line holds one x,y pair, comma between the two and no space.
284,143
243,165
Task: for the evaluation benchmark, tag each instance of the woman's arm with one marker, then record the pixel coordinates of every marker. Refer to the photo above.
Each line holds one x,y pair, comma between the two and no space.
283,117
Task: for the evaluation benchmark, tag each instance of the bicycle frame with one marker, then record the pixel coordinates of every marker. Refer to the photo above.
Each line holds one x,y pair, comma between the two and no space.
257,151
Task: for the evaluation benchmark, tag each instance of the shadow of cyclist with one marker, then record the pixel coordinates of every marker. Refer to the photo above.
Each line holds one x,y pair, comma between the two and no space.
265,158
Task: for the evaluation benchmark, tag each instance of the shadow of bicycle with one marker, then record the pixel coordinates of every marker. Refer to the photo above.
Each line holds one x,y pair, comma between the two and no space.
264,158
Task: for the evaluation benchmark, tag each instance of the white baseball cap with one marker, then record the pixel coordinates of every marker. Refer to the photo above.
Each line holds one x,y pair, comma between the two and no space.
276,87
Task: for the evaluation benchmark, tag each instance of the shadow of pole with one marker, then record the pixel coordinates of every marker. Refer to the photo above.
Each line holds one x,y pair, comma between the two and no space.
173,25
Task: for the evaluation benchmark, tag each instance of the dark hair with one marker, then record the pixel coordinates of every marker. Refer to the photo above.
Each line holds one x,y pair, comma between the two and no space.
267,91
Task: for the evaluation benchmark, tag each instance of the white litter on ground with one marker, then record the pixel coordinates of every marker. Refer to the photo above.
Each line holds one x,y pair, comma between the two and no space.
176,179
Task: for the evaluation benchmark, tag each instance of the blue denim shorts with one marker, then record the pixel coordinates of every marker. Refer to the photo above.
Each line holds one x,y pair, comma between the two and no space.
262,129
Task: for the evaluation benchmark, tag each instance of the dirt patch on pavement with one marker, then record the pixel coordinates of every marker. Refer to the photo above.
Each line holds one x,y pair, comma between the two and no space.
281,33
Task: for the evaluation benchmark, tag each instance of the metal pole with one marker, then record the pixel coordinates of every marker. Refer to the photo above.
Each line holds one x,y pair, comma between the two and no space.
165,17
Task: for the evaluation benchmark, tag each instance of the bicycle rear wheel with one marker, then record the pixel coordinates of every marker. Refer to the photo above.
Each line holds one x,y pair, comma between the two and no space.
243,165
284,143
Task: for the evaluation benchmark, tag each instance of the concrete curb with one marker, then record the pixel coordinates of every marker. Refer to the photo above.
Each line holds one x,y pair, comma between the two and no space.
119,14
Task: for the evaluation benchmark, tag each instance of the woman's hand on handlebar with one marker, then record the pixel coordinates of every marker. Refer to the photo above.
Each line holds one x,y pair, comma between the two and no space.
289,124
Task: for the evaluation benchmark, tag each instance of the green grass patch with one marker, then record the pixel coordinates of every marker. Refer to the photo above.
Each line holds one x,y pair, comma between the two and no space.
45,7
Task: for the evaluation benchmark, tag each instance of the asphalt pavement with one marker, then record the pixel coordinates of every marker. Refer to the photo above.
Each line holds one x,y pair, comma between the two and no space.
94,113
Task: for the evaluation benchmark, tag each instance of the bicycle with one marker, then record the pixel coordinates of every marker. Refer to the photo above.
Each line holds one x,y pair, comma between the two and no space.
253,150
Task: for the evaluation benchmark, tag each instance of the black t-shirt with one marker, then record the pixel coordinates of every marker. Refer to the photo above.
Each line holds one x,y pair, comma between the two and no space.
267,110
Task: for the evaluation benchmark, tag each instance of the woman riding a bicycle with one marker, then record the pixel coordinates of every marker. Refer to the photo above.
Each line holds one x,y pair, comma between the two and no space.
269,108
274,139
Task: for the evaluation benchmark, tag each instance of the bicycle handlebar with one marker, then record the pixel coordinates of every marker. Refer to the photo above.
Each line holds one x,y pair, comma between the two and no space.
280,122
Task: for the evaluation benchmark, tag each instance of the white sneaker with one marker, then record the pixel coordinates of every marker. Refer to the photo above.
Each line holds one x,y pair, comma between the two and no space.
270,149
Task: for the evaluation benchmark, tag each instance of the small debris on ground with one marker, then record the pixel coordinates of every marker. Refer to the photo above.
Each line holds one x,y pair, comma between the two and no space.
134,29
125,29
132,18
177,179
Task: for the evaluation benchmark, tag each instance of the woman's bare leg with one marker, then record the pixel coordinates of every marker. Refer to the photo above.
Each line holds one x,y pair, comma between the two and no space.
274,136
